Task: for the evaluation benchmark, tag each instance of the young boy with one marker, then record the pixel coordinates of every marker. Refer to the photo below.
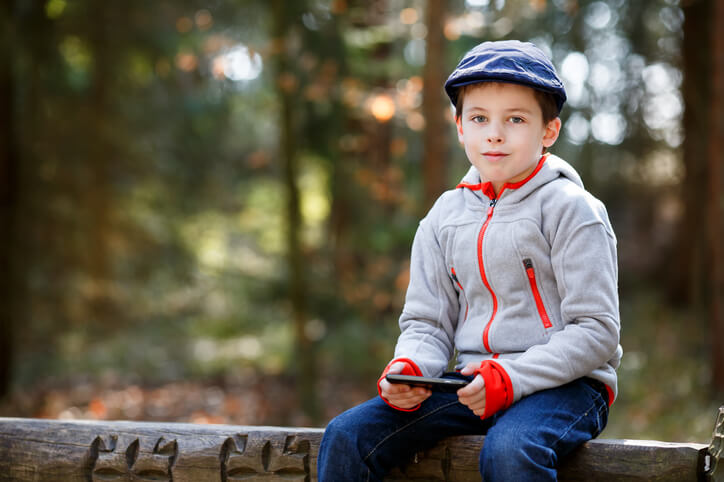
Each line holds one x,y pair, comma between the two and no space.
516,270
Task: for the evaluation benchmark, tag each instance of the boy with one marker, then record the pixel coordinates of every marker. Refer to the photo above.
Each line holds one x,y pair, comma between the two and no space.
515,270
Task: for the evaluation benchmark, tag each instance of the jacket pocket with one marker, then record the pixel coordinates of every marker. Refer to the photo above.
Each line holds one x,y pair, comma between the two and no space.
462,291
528,264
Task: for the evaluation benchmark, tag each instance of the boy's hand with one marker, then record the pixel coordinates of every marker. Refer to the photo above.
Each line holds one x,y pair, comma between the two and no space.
400,395
473,395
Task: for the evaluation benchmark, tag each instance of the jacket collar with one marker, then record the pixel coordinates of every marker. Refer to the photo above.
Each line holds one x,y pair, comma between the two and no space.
549,167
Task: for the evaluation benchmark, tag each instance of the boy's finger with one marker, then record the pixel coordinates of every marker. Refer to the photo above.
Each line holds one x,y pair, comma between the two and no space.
412,394
422,392
420,397
470,368
407,400
396,368
418,392
393,389
476,386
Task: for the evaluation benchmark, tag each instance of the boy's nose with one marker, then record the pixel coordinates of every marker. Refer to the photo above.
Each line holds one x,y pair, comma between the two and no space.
494,134
495,137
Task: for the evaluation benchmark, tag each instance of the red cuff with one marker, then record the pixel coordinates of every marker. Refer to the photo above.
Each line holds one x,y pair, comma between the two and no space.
498,387
411,368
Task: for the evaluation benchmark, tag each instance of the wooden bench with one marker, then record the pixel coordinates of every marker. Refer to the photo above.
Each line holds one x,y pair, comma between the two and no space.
54,450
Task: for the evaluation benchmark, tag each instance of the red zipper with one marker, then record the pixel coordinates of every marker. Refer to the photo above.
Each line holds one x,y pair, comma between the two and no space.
484,277
488,190
536,294
457,282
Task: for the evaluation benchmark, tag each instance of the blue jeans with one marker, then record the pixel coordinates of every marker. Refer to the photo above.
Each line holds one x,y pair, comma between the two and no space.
523,442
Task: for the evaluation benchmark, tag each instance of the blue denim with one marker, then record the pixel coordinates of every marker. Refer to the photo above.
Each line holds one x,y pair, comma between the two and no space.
524,442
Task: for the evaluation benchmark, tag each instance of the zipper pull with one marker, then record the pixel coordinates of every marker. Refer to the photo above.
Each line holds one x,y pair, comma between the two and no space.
529,268
493,202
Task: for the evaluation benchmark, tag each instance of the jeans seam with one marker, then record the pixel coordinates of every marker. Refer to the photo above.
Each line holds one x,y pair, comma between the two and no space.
577,420
413,422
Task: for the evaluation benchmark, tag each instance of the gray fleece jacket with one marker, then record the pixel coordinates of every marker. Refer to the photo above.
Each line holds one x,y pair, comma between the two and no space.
527,280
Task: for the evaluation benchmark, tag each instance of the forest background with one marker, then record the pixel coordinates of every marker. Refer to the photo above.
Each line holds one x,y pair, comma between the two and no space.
207,206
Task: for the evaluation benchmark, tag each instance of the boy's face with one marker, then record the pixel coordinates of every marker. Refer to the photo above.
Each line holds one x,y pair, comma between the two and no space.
502,130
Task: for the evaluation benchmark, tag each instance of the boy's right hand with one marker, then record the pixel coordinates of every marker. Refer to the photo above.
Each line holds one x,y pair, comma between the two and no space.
400,395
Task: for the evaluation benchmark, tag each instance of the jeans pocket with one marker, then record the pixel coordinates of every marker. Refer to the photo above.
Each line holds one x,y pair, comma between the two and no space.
602,416
600,406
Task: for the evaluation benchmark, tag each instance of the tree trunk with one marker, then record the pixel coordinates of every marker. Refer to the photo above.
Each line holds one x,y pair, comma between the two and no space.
697,278
688,274
286,83
715,200
433,105
98,163
8,197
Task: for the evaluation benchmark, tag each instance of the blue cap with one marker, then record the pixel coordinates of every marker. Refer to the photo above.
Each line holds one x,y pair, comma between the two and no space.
507,61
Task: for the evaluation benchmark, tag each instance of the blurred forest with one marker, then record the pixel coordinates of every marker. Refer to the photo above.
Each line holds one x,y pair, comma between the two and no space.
207,206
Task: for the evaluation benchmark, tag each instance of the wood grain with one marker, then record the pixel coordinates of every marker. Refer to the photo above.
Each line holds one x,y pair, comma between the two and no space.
51,450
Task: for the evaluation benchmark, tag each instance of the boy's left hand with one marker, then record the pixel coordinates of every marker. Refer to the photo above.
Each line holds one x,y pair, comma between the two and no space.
473,395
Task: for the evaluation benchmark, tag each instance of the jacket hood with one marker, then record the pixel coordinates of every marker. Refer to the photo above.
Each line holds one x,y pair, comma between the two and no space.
550,168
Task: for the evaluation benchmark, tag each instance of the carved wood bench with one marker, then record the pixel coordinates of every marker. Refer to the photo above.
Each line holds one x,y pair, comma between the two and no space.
53,450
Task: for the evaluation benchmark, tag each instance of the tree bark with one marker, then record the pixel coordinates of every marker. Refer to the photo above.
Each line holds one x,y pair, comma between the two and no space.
8,197
715,198
98,163
698,273
433,105
687,278
286,84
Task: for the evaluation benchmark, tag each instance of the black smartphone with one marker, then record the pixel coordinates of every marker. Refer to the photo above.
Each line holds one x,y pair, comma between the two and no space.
449,385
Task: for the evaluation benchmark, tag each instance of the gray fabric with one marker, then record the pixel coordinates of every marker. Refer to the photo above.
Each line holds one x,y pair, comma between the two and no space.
565,233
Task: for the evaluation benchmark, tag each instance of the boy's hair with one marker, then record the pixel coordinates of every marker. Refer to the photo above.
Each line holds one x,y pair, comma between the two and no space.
546,101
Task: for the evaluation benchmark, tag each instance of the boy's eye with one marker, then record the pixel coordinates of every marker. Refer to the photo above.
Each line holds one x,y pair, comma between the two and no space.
516,120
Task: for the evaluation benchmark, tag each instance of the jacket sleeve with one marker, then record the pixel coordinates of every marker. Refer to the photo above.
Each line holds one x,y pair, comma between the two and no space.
428,319
498,388
585,266
409,368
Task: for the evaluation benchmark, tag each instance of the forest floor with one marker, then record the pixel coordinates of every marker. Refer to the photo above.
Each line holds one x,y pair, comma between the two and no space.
261,400
270,400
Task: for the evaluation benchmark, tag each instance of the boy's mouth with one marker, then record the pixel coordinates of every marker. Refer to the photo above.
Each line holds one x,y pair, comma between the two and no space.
494,155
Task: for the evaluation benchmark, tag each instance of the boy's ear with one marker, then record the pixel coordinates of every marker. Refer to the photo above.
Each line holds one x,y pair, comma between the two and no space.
552,131
459,124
